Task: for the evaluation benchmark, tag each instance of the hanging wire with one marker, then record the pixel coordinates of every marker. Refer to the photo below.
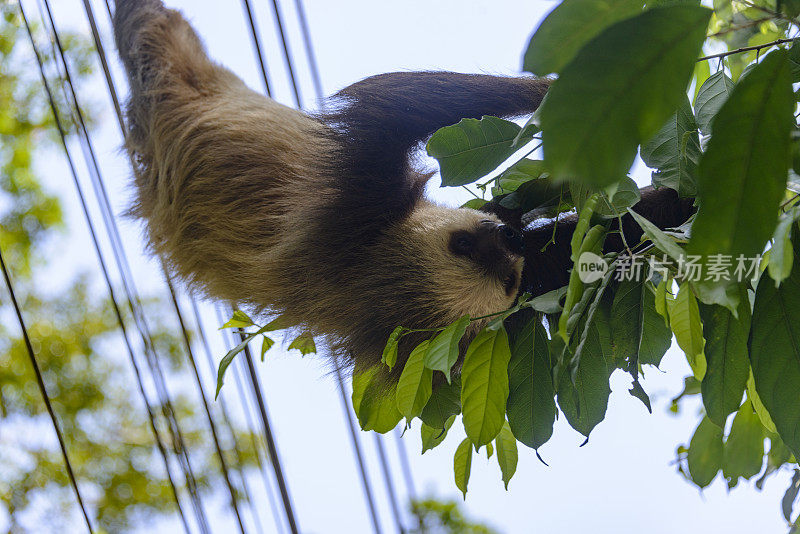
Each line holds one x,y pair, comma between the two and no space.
246,408
257,45
389,484
405,465
287,56
107,278
312,59
240,464
212,424
362,469
271,448
43,390
125,273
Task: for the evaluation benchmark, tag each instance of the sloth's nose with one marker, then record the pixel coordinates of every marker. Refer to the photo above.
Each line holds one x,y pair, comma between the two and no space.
511,239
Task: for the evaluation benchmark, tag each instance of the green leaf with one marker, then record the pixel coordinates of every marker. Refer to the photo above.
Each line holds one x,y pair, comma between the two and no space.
374,401
728,365
415,385
781,256
304,343
531,408
684,319
674,151
584,403
758,406
389,356
742,175
489,450
705,453
443,404
522,172
539,195
638,391
443,349
506,445
626,194
266,344
744,449
662,241
473,148
462,463
432,437
474,203
228,358
238,320
484,385
775,354
618,91
549,303
638,333
710,98
569,27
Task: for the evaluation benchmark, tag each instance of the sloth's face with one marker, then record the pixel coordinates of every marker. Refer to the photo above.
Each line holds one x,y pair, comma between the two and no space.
474,260
494,248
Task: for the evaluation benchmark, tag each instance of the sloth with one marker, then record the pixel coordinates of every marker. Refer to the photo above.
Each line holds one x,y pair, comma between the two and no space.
319,218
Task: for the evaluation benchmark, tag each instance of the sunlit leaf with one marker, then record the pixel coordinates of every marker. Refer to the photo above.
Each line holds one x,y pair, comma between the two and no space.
618,91
484,385
705,453
415,385
531,408
473,148
462,464
569,27
506,446
442,351
742,174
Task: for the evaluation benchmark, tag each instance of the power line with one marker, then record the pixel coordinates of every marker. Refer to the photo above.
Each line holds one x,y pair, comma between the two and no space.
212,425
104,269
273,450
246,408
240,464
387,476
357,452
257,45
43,390
286,54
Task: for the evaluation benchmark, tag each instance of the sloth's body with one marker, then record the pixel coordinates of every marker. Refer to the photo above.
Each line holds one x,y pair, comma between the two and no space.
319,218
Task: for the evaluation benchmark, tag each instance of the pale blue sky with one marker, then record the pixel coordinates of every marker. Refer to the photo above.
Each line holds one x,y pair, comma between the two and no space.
622,481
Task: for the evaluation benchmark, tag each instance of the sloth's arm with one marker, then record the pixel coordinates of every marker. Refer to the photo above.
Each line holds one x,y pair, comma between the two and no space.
384,117
547,263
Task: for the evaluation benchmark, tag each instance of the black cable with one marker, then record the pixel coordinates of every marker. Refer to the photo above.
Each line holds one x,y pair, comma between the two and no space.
389,484
287,56
43,390
240,464
312,59
256,444
405,464
257,45
212,425
106,276
127,280
273,450
348,414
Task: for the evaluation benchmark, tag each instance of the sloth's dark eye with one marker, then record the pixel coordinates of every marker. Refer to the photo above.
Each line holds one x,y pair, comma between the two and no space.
462,244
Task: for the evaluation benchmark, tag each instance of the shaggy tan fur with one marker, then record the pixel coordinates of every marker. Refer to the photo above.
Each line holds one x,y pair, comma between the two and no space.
245,199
